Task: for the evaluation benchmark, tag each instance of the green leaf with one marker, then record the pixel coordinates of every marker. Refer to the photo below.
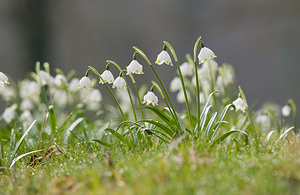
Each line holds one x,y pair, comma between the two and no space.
220,121
284,134
103,143
19,143
203,117
21,156
225,135
119,136
163,127
209,125
268,137
171,123
52,119
70,128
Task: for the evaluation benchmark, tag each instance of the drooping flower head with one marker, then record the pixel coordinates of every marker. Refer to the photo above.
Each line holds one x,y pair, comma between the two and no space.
163,57
107,77
205,54
240,104
150,98
85,83
3,79
119,83
134,68
187,69
286,110
175,84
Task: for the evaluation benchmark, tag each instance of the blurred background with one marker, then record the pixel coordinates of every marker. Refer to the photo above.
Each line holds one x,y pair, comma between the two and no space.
260,38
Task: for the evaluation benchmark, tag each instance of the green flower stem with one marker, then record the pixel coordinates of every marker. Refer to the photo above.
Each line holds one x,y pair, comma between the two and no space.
182,80
128,91
164,89
137,93
197,84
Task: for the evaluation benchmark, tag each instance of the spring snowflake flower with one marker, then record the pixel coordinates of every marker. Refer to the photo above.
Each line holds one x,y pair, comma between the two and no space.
44,77
119,83
175,84
3,79
85,83
26,104
180,96
286,110
163,57
240,104
187,69
60,80
8,115
206,54
134,68
107,77
150,98
73,85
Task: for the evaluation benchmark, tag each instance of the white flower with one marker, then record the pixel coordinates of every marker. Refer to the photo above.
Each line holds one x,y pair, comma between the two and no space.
119,83
206,54
95,96
107,77
134,68
85,83
73,85
210,65
3,79
30,90
26,104
163,57
150,98
180,96
44,77
60,97
60,80
8,115
175,84
264,121
240,104
186,69
7,93
286,110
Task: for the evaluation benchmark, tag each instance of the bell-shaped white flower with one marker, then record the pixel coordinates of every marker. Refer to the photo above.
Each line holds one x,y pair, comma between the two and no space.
8,115
134,68
180,96
240,104
286,110
73,85
3,79
150,98
119,83
60,80
44,77
85,83
107,77
163,57
210,65
187,69
206,54
175,84
26,104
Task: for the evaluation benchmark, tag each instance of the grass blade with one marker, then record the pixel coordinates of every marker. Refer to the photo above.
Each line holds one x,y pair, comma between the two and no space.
119,136
103,143
225,135
19,143
70,128
284,134
21,156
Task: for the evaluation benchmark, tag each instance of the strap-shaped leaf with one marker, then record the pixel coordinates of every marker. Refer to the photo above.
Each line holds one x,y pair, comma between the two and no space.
225,135
103,143
119,136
